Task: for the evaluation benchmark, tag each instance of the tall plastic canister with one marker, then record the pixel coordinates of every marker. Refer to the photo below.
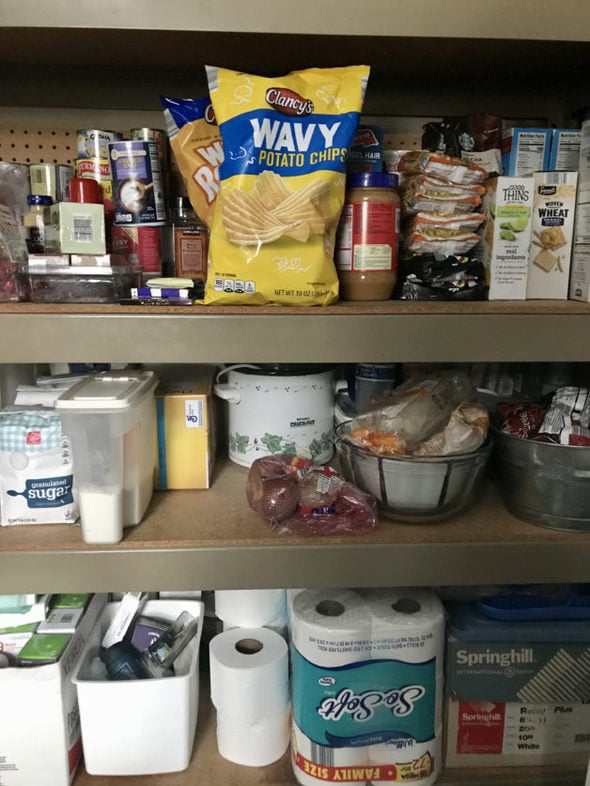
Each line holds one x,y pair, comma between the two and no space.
110,419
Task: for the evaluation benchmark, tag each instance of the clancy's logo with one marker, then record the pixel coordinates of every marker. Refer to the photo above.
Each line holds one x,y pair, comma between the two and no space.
361,706
288,102
46,492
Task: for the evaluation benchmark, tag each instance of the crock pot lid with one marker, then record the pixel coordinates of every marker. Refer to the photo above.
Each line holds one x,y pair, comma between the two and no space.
285,369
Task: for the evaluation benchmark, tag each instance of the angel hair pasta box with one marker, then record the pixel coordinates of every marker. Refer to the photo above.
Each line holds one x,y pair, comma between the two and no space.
283,177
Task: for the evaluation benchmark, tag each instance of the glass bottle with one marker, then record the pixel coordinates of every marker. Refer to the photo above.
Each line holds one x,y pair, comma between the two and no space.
189,241
34,222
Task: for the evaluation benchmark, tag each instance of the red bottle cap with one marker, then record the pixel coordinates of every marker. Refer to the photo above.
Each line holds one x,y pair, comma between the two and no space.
86,190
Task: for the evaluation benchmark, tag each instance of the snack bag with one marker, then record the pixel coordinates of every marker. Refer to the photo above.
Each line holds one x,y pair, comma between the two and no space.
196,143
286,144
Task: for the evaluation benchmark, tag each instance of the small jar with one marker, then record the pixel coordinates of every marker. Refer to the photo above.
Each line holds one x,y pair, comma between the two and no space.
190,241
34,222
368,237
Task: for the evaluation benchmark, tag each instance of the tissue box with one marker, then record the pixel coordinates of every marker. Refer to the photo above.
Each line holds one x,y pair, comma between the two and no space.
140,727
40,740
185,450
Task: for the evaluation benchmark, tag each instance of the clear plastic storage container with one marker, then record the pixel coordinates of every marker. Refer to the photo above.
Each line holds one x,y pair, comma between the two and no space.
110,419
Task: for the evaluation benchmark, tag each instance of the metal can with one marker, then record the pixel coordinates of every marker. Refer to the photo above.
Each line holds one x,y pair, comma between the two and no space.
98,169
94,143
139,246
156,135
138,190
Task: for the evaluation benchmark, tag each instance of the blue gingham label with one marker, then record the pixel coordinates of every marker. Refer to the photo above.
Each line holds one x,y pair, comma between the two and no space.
29,432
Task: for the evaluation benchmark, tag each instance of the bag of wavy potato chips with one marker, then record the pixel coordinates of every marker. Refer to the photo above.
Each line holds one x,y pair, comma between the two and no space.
196,144
283,179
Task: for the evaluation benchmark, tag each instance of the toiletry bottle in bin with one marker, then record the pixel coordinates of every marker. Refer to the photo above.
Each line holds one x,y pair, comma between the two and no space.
110,419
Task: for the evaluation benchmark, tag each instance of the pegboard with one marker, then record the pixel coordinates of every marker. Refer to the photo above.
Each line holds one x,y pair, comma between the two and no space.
38,145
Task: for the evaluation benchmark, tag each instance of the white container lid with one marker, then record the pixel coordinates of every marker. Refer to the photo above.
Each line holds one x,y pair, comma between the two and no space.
108,390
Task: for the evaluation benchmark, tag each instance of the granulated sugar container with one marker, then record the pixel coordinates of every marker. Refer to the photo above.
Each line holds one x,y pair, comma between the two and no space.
110,419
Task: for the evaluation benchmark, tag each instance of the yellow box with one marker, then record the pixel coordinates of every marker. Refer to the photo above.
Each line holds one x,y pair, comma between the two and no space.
185,445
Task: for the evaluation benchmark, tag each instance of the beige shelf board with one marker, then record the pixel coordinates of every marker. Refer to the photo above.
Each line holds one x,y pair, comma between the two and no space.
340,17
394,331
210,539
208,767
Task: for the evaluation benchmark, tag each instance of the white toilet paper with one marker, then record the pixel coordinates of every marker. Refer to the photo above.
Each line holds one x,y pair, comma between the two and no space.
249,673
252,608
254,744
368,674
313,763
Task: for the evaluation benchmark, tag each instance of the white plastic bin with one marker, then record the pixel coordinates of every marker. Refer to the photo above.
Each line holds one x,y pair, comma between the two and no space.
140,727
110,419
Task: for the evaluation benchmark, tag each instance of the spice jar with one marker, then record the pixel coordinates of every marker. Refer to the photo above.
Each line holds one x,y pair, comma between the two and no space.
368,237
34,222
189,241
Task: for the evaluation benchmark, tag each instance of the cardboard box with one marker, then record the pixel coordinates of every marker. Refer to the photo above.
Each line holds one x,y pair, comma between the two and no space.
186,439
525,150
497,734
565,150
530,661
75,228
504,248
579,288
40,739
517,691
554,209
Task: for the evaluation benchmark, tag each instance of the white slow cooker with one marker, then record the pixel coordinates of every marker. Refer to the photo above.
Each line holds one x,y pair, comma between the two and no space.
277,408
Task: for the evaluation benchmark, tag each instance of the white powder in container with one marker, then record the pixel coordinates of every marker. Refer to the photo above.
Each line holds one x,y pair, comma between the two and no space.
101,514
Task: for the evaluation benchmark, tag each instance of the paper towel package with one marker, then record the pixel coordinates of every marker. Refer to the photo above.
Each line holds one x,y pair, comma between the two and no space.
367,678
249,673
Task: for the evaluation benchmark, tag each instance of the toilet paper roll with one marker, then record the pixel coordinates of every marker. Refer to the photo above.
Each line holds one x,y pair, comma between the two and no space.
282,630
254,744
249,673
330,627
408,633
252,608
313,763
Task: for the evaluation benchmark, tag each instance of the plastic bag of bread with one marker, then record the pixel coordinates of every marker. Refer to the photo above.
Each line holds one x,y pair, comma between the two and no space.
297,497
465,432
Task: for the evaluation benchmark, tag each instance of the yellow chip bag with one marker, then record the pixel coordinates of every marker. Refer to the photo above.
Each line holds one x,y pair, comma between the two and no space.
196,144
282,180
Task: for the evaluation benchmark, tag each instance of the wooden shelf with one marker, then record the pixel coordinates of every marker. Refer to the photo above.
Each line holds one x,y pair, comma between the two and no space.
208,766
393,331
211,540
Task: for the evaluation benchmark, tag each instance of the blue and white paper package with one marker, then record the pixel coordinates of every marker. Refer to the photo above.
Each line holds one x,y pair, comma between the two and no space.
367,677
36,470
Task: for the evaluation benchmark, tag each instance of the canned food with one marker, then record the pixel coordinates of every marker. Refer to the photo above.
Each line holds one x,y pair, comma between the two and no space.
139,246
98,169
93,143
138,191
156,135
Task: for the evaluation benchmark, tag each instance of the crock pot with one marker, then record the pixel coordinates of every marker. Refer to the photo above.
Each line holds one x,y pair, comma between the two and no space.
278,408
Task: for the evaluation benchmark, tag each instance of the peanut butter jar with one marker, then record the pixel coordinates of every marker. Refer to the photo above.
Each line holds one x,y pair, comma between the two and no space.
368,237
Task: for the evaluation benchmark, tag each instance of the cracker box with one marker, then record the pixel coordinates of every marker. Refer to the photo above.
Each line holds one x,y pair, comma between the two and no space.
565,149
186,440
580,268
40,737
504,248
554,207
525,150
